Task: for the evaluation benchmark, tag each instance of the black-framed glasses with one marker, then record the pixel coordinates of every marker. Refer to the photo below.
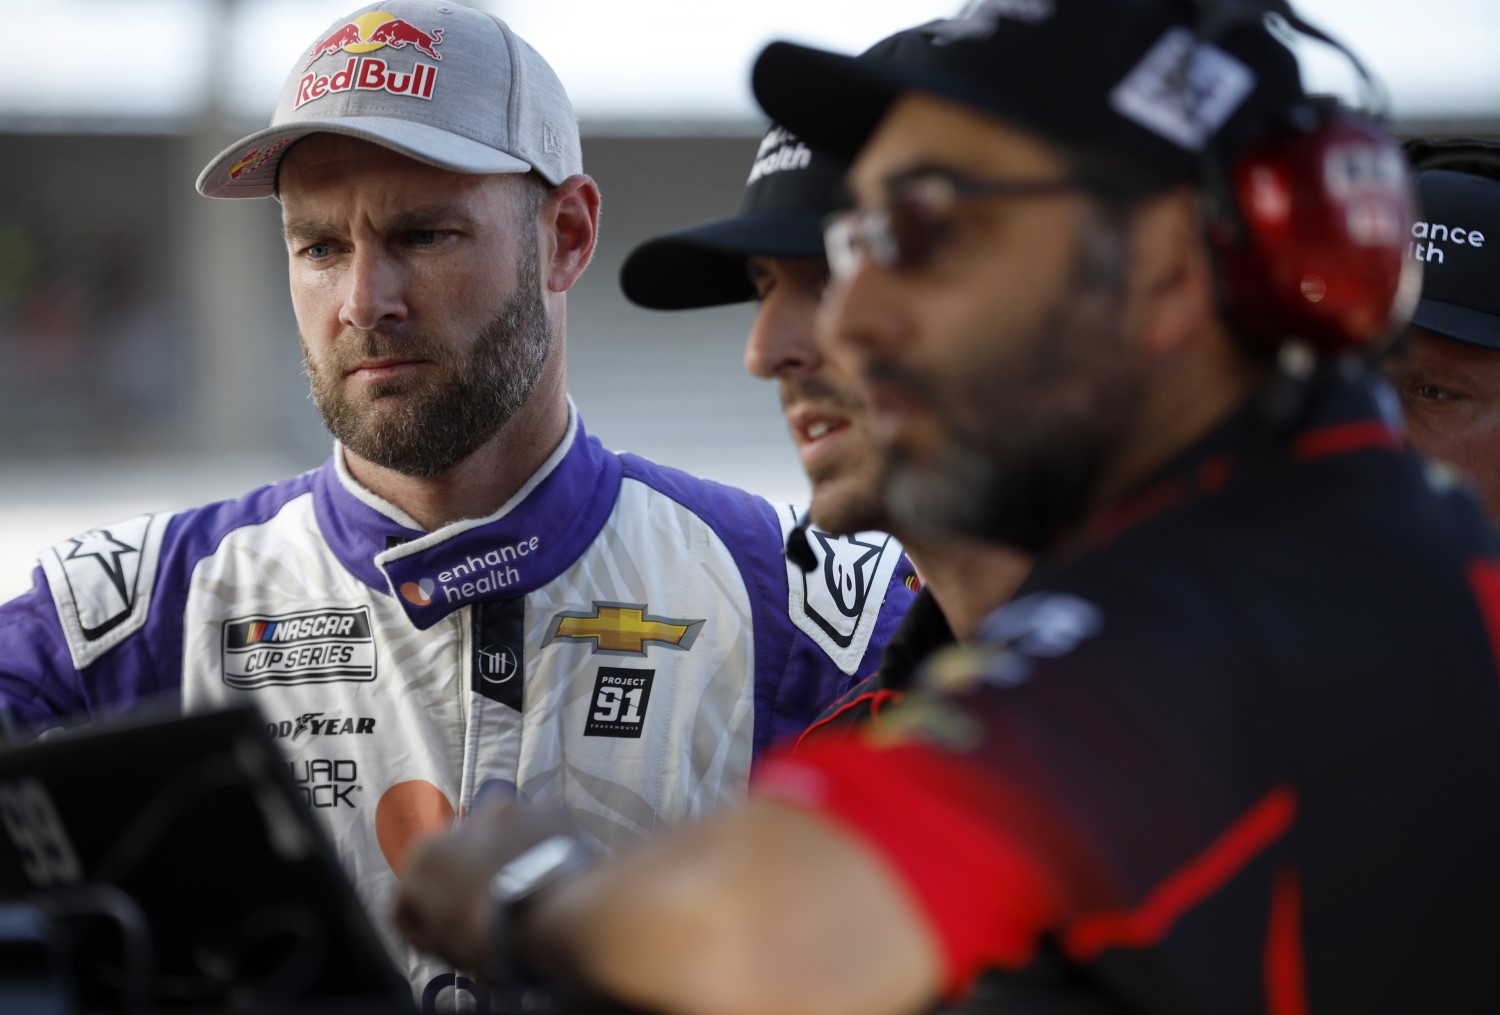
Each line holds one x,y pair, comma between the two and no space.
917,217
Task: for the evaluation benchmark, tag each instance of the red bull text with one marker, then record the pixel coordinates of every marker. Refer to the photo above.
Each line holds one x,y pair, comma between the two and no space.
372,31
368,74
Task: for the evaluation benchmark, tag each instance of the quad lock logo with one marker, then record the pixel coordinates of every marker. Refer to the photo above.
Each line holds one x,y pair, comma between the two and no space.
324,783
367,33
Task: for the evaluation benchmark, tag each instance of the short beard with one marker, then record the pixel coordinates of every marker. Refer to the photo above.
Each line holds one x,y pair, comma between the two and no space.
438,423
1029,436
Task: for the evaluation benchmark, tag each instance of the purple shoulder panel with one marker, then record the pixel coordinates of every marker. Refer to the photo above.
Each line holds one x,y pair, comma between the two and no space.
795,678
40,685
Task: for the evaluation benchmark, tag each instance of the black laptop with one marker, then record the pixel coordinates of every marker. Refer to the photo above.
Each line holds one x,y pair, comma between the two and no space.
171,864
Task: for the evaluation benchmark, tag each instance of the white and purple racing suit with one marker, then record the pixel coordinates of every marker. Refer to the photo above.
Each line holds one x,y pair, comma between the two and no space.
620,638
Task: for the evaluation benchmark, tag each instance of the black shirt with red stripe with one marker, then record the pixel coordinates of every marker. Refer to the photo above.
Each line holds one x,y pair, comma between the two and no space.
1234,747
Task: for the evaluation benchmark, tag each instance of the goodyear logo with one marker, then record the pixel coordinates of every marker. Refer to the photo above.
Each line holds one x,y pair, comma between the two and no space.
313,647
623,628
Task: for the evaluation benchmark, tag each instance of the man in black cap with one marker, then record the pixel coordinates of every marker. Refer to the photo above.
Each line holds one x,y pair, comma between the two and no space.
1230,748
771,251
1448,371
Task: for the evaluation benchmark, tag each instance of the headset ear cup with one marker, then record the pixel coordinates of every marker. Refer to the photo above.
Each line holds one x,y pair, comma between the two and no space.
1322,208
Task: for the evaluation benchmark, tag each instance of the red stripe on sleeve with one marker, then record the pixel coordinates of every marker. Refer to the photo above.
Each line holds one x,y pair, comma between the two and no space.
948,831
1484,579
875,698
1344,438
1282,964
1192,883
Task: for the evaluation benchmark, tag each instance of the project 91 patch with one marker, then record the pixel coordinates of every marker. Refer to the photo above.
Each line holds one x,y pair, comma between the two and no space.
617,708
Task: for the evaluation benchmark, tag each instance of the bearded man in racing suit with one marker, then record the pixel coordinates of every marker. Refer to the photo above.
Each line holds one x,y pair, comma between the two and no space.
472,596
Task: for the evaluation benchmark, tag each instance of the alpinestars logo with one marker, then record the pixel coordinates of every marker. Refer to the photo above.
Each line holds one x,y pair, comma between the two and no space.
116,552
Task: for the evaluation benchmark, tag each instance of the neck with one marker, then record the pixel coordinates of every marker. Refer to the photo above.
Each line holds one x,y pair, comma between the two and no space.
969,579
1188,400
480,484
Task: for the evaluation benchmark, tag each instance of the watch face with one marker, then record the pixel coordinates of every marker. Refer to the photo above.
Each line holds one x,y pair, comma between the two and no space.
536,867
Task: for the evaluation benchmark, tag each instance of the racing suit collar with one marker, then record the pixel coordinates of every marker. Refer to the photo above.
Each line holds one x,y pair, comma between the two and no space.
525,544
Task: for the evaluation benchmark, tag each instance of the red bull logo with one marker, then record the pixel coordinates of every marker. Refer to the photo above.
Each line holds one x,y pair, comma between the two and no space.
366,34
255,158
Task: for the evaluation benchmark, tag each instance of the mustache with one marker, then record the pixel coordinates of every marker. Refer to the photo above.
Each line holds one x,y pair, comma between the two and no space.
352,348
380,344
882,373
804,388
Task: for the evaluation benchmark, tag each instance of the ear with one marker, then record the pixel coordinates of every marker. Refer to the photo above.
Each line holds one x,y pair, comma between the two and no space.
1173,277
570,229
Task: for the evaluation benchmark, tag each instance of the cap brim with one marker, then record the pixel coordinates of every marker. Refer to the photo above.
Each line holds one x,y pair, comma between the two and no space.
1462,324
246,169
705,266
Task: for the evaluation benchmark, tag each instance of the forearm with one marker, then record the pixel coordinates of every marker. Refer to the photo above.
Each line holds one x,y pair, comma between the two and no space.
768,909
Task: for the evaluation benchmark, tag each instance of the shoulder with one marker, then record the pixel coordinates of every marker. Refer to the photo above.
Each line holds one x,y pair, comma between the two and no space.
104,581
856,584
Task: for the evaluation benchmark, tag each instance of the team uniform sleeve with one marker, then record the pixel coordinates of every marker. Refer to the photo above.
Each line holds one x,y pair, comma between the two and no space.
39,688
1089,796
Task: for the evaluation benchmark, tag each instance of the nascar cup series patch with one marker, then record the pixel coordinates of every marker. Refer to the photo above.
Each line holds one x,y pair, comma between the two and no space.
311,647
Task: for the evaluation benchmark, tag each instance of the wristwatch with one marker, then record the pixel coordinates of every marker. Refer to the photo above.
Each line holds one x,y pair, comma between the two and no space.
543,864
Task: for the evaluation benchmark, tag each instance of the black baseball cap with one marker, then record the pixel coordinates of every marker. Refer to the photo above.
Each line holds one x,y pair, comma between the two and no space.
1457,239
790,190
1129,78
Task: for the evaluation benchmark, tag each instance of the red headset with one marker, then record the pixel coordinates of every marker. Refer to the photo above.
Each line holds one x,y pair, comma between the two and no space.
1310,221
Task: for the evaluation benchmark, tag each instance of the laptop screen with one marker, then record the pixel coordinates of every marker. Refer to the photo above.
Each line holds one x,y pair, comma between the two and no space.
176,865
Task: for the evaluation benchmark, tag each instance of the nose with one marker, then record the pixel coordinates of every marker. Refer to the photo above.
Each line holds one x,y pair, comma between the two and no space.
782,338
374,291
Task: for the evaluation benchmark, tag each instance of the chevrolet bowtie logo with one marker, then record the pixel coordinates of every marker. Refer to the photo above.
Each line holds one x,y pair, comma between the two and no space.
623,628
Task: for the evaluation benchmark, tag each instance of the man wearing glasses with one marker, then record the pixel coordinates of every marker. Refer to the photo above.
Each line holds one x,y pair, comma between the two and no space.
1230,748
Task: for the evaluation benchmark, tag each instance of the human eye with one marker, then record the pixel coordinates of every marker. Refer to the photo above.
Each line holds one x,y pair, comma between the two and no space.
315,250
1432,394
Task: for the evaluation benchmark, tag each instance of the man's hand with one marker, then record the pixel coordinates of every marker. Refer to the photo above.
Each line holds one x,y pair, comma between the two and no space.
444,905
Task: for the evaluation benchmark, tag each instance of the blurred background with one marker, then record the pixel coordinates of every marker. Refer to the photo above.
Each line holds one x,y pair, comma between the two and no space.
148,354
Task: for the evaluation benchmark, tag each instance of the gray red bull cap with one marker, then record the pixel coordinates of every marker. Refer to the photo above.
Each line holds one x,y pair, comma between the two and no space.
439,82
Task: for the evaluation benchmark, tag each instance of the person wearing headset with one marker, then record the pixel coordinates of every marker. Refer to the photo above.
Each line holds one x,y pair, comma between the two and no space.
1230,748
1447,372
